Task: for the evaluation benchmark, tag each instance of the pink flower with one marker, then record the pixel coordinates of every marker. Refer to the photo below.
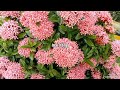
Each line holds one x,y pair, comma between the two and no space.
67,56
24,51
10,30
14,71
102,38
10,13
105,16
37,76
70,18
29,17
44,57
78,72
67,44
115,45
87,24
115,72
110,62
3,64
110,28
43,31
96,74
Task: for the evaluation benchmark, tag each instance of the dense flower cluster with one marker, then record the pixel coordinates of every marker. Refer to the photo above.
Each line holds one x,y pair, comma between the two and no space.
24,51
116,47
67,57
44,57
37,76
58,44
10,13
38,23
10,30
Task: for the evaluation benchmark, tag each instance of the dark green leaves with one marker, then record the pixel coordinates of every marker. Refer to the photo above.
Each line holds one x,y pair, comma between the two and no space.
89,42
54,17
118,60
78,36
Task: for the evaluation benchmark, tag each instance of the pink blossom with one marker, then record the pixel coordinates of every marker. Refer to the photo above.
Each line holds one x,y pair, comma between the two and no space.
67,57
70,18
43,31
37,76
102,39
77,72
87,24
14,71
96,74
10,13
24,51
115,45
3,64
110,28
32,17
109,63
44,57
10,30
105,16
115,72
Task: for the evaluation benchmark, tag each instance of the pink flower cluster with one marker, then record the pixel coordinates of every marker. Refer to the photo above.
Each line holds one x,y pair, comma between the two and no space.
24,51
37,76
115,45
77,72
96,74
38,23
115,72
44,57
110,62
11,70
67,57
10,13
10,30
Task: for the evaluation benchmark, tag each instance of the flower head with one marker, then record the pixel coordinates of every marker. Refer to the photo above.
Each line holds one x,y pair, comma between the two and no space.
10,30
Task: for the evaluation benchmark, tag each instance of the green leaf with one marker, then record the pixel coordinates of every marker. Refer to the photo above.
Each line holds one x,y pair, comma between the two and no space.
89,62
78,36
29,34
56,73
31,56
61,31
26,46
57,35
91,36
54,18
118,60
63,27
22,35
89,42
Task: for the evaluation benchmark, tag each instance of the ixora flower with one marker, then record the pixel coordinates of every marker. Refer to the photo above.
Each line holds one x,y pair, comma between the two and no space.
42,31
10,30
70,18
38,23
115,45
14,71
96,74
105,16
115,72
37,76
4,61
110,62
44,57
29,17
10,13
78,72
67,57
24,51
